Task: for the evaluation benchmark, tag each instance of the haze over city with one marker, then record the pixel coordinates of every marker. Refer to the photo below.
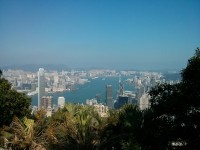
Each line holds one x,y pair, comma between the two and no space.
104,34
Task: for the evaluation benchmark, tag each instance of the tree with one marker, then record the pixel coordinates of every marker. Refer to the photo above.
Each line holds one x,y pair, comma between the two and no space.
160,120
88,124
12,103
74,127
124,133
190,132
20,134
61,132
0,73
175,111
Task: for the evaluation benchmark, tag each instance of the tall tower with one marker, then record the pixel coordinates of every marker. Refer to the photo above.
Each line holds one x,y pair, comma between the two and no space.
121,89
109,96
41,86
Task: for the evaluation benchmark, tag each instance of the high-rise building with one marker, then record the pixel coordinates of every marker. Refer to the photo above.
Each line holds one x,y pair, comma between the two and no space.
131,97
109,96
122,100
61,102
46,102
41,86
121,89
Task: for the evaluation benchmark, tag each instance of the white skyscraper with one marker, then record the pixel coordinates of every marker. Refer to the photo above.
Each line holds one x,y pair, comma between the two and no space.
61,102
41,86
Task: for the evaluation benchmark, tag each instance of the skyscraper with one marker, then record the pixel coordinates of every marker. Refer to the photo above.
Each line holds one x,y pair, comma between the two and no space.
41,86
61,102
46,102
122,100
109,96
121,89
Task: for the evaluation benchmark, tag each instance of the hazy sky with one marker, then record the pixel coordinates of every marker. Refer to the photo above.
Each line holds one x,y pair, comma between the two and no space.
122,34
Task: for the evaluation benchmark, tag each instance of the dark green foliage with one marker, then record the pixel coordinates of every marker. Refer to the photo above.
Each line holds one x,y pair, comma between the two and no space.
191,80
0,73
160,119
12,103
125,133
191,88
175,111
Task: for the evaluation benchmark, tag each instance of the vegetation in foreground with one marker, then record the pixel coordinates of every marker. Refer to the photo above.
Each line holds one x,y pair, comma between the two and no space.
172,121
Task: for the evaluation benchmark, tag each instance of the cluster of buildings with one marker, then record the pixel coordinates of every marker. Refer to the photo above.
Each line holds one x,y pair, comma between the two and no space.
102,109
123,97
142,82
45,102
55,81
44,82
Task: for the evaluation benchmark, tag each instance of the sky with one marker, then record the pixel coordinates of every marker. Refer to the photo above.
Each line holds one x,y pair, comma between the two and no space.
112,34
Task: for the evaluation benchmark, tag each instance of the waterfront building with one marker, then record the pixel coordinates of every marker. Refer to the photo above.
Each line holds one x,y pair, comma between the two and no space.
41,86
46,102
91,102
122,100
121,89
131,97
109,96
61,102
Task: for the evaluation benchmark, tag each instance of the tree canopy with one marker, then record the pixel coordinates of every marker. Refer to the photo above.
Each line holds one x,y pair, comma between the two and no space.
12,103
176,109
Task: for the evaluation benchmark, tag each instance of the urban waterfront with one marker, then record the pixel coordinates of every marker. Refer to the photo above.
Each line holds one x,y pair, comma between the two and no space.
97,86
89,90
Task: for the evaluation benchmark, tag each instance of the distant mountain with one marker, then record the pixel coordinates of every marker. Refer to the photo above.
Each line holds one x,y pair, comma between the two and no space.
60,67
35,67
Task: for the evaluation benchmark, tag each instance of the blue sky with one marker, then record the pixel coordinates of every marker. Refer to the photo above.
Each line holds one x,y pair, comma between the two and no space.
119,34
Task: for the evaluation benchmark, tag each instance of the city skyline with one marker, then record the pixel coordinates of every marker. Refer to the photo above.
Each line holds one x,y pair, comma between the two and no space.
107,86
104,34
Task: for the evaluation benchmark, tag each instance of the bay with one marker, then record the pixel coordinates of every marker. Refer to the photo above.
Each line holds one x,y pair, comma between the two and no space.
89,90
